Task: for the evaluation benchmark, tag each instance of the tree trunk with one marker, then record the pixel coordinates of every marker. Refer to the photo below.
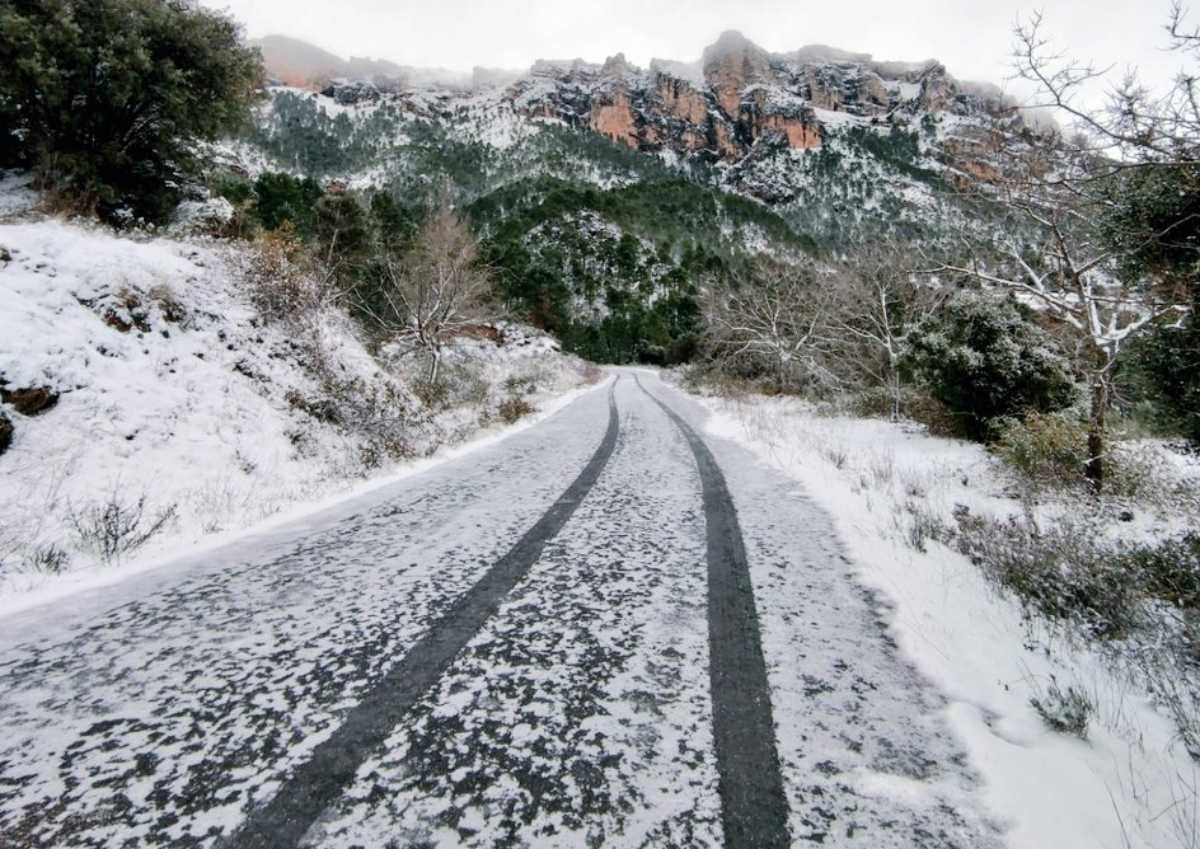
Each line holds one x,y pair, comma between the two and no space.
894,380
1094,470
435,362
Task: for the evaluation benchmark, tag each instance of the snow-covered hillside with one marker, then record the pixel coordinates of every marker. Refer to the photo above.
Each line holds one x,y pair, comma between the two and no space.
140,379
834,142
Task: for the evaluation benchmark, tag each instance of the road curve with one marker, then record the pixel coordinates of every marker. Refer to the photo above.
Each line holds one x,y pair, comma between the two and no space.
606,630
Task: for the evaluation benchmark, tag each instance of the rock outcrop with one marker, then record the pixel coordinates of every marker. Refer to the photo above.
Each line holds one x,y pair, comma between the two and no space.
613,116
737,96
938,91
740,113
351,92
732,64
30,401
6,432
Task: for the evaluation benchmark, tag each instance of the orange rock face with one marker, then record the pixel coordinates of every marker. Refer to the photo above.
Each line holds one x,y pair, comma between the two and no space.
800,134
694,139
615,119
973,155
732,64
681,100
726,146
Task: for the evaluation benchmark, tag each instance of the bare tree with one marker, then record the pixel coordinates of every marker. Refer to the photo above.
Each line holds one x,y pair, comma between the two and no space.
437,290
777,321
877,300
1137,126
1054,254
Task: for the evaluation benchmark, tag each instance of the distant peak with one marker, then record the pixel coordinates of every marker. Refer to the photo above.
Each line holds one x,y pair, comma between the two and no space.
616,66
731,39
731,43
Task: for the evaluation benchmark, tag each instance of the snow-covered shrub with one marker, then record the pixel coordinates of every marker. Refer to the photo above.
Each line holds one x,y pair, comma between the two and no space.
1171,570
435,395
920,524
466,385
117,526
48,560
513,409
707,377
923,408
1049,451
520,384
1173,680
985,361
382,413
1065,571
1067,711
283,286
210,216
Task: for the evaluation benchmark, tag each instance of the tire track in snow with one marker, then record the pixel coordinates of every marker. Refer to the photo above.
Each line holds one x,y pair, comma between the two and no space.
754,808
319,782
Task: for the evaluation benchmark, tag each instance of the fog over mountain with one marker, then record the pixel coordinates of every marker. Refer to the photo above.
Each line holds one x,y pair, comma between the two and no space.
973,40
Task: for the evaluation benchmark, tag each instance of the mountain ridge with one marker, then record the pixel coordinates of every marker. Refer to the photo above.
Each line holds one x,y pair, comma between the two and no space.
607,193
300,62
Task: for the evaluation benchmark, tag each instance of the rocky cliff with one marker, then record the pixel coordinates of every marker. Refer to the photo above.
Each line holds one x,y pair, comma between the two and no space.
719,108
828,134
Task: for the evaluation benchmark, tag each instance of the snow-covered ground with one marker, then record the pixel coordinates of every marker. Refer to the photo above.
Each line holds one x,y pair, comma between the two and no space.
1130,783
171,388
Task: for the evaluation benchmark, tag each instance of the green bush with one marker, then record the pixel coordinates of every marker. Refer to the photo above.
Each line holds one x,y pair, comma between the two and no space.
1170,361
1050,452
108,99
1065,571
1045,450
1171,570
1071,572
986,361
282,197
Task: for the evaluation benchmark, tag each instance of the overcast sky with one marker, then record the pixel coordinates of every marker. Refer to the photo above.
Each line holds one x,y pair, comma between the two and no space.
971,38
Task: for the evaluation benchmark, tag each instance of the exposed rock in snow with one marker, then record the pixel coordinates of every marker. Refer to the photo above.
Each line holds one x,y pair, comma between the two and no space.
201,216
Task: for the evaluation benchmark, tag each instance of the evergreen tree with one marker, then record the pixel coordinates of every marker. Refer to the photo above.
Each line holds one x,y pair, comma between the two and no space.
108,99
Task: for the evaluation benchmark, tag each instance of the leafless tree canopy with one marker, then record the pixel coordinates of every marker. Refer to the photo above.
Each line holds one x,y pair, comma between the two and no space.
1055,252
845,326
776,322
437,290
876,302
1138,125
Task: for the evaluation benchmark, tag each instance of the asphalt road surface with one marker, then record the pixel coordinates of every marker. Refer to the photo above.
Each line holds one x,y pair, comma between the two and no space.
606,630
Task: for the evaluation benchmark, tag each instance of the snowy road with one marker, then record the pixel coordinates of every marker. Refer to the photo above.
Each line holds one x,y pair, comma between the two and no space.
567,639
